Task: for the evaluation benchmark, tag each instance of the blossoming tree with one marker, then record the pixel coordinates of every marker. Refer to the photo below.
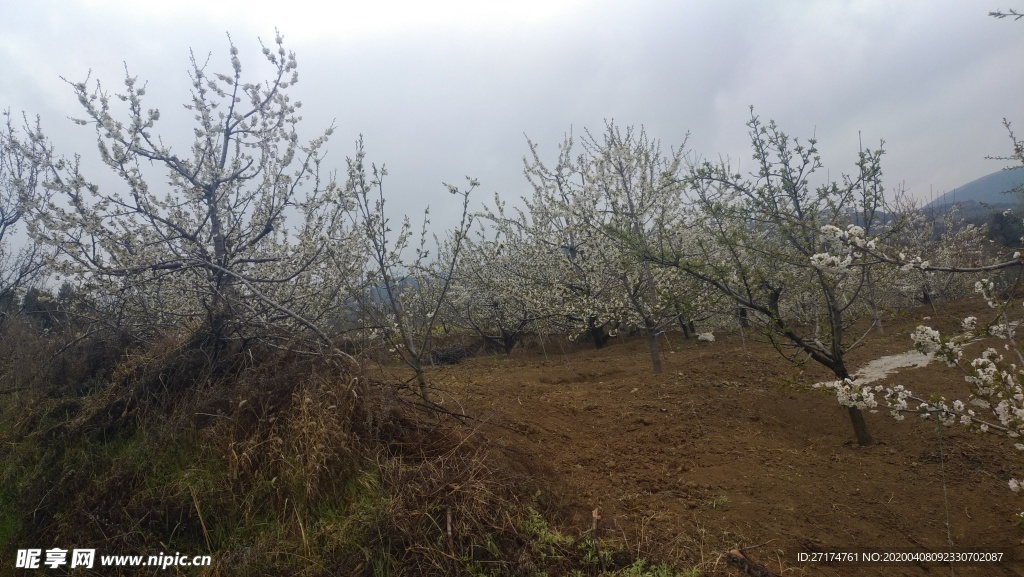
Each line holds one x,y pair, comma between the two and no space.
402,288
501,288
995,401
602,207
201,234
763,241
24,156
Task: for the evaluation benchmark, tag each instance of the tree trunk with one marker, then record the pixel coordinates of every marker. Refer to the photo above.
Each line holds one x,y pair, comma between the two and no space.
860,427
652,344
421,380
649,324
741,314
599,335
509,341
872,301
687,326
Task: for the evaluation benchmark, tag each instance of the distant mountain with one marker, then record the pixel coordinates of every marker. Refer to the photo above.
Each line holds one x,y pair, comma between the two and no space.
983,196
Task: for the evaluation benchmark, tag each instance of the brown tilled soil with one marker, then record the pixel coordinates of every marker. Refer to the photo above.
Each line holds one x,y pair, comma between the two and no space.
729,448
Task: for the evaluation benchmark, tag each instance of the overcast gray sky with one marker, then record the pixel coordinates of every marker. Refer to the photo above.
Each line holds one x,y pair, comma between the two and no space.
445,89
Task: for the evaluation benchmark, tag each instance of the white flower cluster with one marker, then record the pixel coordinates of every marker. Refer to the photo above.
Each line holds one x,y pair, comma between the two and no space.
851,394
854,235
833,231
996,384
823,260
914,263
928,341
986,288
848,245
1000,330
985,371
1010,413
948,413
896,400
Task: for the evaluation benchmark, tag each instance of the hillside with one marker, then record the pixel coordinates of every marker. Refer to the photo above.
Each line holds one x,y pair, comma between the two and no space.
982,196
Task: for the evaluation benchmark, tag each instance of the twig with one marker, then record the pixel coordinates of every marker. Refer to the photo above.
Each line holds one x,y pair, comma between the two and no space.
567,359
945,492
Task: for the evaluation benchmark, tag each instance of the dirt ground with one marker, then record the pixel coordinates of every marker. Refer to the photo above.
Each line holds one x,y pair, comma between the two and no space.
729,447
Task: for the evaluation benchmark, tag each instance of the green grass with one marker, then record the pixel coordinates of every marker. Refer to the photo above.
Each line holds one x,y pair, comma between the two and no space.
720,502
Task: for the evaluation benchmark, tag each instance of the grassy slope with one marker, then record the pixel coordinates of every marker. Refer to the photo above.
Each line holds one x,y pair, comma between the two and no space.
271,463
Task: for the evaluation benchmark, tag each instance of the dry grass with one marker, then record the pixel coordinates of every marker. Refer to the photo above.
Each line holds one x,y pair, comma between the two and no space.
273,463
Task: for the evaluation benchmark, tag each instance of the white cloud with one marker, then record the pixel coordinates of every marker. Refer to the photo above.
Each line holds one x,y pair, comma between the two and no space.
352,21
444,89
